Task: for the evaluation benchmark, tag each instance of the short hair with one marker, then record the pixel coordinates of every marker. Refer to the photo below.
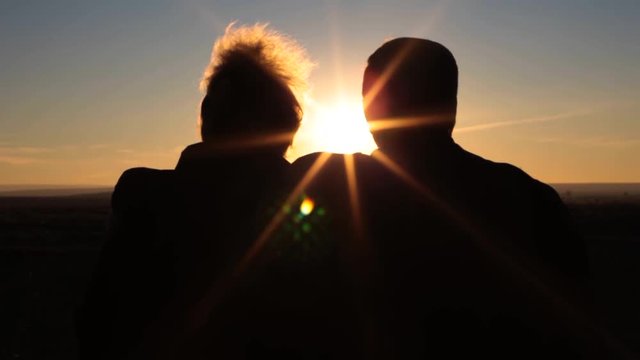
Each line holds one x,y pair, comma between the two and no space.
421,77
253,83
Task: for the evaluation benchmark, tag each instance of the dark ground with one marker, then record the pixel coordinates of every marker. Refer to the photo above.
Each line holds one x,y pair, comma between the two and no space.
48,246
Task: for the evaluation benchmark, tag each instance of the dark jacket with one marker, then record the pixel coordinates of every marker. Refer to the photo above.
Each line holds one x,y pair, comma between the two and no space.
173,235
458,256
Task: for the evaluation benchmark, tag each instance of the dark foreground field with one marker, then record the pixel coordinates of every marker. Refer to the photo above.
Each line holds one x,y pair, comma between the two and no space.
48,246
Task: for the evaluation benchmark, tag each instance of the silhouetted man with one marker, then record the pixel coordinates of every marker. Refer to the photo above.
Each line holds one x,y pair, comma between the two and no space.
178,236
459,255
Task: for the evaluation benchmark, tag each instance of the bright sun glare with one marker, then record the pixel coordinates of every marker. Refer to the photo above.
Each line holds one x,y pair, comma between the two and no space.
338,128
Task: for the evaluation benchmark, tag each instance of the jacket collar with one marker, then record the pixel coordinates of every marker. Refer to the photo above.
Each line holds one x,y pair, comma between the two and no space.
203,154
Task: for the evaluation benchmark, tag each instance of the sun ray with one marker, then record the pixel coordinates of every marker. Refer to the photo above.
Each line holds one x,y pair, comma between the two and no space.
361,260
429,120
406,177
198,315
281,214
407,122
335,46
354,196
421,189
561,303
239,143
463,221
432,18
200,312
383,78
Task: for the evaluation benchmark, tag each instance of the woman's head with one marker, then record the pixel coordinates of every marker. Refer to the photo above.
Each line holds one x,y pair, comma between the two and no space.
252,88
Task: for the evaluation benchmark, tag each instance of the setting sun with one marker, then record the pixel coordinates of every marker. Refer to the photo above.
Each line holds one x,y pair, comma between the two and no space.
338,128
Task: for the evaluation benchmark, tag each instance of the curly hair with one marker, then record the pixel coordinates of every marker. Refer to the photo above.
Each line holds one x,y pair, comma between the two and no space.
253,83
276,53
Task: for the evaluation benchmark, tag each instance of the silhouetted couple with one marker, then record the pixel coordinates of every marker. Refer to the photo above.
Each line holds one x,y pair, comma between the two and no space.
423,249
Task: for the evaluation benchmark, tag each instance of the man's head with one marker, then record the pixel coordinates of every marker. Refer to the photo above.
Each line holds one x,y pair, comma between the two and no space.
411,82
250,89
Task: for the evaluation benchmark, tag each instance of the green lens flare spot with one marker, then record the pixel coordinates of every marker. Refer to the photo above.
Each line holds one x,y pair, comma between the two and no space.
306,207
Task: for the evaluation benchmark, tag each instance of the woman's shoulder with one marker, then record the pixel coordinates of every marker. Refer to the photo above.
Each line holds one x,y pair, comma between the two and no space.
138,185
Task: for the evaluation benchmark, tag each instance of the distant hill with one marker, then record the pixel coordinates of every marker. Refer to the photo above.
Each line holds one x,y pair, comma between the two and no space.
598,189
50,190
574,189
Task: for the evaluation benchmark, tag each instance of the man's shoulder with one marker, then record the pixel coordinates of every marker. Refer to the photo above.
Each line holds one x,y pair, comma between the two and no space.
537,187
509,176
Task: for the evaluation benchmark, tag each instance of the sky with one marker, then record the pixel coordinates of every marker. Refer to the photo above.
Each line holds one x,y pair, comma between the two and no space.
91,88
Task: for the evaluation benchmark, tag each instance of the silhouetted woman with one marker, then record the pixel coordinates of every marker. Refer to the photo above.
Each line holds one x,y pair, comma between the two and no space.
177,236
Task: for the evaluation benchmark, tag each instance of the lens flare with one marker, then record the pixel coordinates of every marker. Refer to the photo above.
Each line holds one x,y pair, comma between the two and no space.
306,207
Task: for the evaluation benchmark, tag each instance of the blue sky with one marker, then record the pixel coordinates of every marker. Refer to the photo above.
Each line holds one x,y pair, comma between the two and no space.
90,88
